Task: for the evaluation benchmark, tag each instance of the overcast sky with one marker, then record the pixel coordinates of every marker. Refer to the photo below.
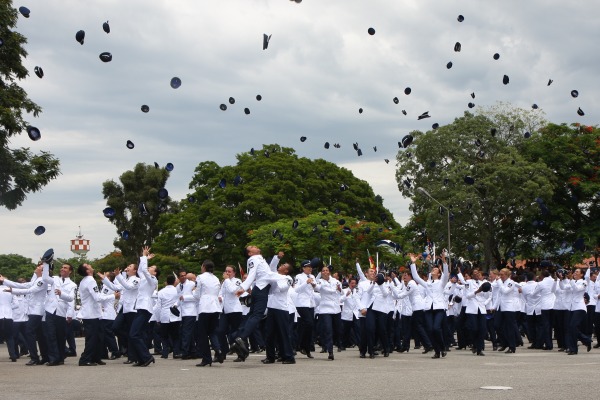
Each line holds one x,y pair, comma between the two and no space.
321,66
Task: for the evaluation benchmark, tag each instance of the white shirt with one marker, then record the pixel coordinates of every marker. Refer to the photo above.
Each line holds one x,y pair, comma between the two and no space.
330,296
259,272
207,293
58,304
189,305
130,286
167,297
36,290
278,294
231,303
91,307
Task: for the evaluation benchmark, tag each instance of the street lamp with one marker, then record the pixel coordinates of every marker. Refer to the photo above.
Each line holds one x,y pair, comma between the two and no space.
426,193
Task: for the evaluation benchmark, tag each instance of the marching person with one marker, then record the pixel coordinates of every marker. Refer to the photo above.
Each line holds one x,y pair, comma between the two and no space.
230,319
109,313
168,318
305,284
61,293
508,307
476,301
329,308
260,275
189,314
209,309
143,307
6,323
36,289
128,284
90,313
277,326
435,289
576,313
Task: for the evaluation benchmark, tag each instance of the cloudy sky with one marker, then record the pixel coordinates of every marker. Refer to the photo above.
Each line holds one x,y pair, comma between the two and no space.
321,66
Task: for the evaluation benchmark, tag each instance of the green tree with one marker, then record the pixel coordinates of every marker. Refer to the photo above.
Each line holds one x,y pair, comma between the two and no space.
476,168
567,222
264,187
137,207
322,235
14,266
21,171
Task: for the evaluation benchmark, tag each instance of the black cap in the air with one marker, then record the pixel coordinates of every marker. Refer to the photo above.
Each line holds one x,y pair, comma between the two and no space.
39,230
130,144
106,27
105,57
371,31
80,36
175,82
33,133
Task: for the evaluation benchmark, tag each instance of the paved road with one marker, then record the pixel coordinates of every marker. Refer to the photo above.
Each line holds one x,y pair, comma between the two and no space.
531,374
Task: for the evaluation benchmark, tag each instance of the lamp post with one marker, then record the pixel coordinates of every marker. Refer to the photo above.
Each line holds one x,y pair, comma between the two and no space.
426,193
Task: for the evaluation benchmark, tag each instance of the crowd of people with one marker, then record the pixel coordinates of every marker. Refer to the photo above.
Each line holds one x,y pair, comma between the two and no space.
378,311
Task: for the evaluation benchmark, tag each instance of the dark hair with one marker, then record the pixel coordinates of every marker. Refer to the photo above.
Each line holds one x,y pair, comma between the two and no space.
530,276
70,267
82,270
545,273
170,279
181,271
208,265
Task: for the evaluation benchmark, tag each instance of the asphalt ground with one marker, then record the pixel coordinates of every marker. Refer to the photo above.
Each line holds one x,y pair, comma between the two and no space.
532,374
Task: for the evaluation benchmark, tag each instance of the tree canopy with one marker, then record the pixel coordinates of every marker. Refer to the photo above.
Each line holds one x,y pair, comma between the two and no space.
478,169
21,171
137,207
268,186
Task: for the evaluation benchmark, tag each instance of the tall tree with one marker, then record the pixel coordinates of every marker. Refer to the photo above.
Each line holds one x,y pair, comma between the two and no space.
475,168
21,171
265,186
137,207
15,266
567,222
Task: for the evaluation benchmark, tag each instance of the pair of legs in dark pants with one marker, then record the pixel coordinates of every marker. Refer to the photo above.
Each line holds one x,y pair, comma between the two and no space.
330,327
419,328
558,322
92,351
257,310
574,320
6,331
368,330
543,330
34,333
110,342
476,326
55,328
306,323
122,327
407,329
278,332
138,349
227,330
188,342
437,331
510,329
207,328
169,336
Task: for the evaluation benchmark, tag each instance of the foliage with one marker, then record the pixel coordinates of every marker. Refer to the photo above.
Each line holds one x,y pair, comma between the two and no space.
488,216
322,235
14,266
21,171
265,186
137,187
566,223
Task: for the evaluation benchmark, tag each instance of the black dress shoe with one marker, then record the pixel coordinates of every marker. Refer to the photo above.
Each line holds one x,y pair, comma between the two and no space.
427,350
129,362
509,351
241,347
571,353
309,355
323,351
230,352
219,357
186,357
239,359
88,364
268,361
204,364
13,359
371,356
330,356
501,348
589,346
480,353
292,361
114,356
100,362
444,354
52,363
147,362
436,355
34,362
177,356
165,357
363,355
386,354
